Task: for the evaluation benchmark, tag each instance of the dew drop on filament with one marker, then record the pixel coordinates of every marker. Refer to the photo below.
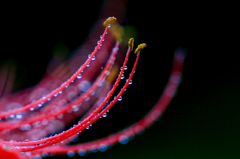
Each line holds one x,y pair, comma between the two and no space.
122,77
120,98
79,76
104,115
130,82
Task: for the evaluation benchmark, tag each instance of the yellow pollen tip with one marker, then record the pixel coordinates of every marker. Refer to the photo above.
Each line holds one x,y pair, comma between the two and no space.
130,43
139,48
109,20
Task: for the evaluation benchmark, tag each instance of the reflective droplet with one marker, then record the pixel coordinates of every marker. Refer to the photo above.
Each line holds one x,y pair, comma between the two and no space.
120,98
122,77
130,82
89,55
125,68
60,116
79,76
104,115
19,116
123,139
93,58
103,147
81,152
75,108
70,153
25,127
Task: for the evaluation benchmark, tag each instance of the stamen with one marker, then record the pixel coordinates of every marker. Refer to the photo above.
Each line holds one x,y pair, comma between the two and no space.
131,43
139,48
109,20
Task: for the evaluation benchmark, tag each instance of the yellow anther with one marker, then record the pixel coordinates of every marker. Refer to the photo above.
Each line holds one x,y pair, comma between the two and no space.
139,48
130,43
109,21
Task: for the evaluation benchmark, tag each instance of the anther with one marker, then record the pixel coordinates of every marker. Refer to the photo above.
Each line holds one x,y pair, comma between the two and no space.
130,43
139,48
109,21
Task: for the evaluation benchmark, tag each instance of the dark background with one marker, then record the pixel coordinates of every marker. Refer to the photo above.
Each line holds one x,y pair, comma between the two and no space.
202,121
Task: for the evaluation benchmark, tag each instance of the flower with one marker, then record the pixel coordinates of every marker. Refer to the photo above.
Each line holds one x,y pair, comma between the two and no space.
30,116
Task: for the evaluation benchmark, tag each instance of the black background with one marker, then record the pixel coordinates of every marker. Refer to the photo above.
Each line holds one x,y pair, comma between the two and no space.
202,121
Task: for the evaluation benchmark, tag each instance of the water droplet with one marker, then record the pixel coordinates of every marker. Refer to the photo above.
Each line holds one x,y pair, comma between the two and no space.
19,116
88,65
100,36
125,68
123,139
37,157
81,152
25,127
103,147
40,105
75,108
87,127
93,58
44,122
93,93
122,77
89,55
60,92
36,124
94,148
88,98
104,115
79,76
130,82
60,116
55,95
70,153
120,98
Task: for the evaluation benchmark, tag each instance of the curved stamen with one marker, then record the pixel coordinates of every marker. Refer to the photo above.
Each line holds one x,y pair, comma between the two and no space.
60,88
89,120
136,128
